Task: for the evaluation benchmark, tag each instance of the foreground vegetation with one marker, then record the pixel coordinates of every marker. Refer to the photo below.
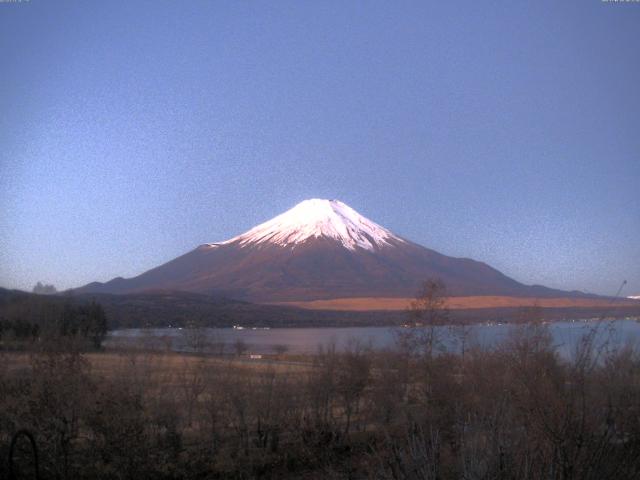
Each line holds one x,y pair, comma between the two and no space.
516,412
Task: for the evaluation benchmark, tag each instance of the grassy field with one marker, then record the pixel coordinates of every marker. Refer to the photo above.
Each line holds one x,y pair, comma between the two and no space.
115,363
363,304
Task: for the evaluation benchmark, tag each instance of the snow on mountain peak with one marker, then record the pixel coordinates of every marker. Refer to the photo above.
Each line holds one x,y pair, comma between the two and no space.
319,218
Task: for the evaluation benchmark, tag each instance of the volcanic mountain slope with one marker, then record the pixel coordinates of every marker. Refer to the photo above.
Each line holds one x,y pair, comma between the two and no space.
320,249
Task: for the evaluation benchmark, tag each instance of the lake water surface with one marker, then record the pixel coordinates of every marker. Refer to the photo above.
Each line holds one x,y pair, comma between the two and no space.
566,336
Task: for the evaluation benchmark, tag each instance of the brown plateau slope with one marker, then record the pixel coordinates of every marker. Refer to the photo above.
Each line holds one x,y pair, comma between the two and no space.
363,304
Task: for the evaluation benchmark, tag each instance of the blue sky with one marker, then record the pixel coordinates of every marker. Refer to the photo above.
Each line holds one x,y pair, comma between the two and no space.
508,132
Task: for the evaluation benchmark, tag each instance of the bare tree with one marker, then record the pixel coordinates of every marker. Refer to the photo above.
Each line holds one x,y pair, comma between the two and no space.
240,347
461,334
428,312
192,383
352,379
196,338
280,349
321,385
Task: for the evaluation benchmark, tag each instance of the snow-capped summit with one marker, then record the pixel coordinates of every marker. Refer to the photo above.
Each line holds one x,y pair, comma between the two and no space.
317,218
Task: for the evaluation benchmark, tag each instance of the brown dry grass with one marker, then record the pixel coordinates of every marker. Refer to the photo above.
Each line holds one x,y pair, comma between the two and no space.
110,364
370,303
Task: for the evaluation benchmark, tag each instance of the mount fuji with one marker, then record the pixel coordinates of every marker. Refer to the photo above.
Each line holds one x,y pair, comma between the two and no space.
319,250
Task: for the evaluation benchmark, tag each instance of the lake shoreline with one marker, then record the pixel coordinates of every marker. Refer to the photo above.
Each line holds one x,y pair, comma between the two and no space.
307,340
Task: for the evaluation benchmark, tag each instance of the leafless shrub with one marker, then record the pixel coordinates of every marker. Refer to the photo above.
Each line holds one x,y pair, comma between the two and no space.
416,457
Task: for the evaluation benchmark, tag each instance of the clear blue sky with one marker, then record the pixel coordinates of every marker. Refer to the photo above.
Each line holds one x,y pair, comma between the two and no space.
508,132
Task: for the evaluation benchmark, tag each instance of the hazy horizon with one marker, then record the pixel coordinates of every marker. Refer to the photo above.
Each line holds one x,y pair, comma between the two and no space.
133,132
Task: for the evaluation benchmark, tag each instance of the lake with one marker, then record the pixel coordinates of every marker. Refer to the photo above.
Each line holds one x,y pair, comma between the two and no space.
566,336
